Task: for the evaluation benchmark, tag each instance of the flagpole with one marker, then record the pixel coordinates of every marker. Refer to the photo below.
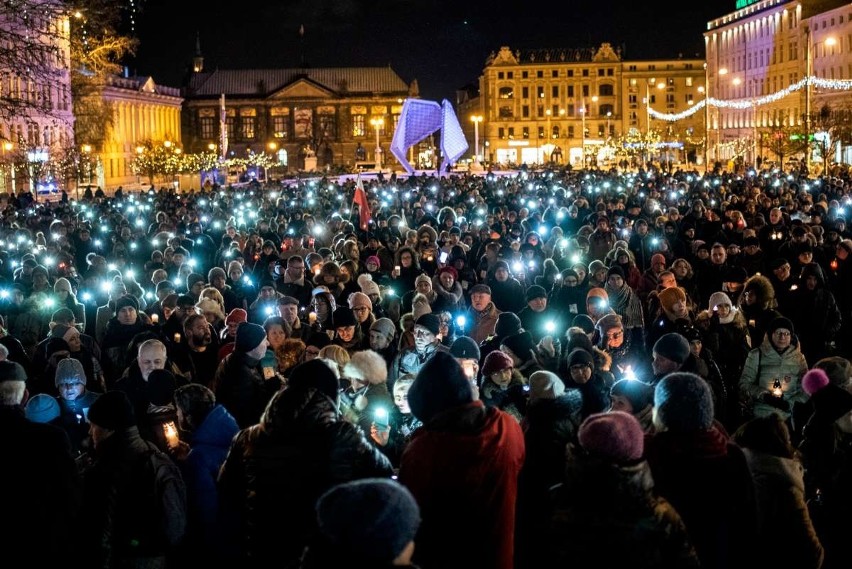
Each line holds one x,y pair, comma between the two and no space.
354,193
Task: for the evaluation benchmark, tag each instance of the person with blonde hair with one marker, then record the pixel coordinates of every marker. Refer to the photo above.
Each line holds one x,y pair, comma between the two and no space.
336,354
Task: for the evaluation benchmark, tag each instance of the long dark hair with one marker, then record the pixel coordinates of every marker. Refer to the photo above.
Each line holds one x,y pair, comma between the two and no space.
768,435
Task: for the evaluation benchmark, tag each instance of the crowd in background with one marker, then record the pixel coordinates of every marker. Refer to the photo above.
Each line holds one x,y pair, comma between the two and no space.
557,366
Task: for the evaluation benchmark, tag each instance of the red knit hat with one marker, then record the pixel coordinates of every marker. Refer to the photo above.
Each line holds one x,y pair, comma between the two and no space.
616,436
450,270
496,361
236,316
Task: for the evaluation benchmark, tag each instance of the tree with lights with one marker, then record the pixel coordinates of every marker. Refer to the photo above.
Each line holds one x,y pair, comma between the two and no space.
831,127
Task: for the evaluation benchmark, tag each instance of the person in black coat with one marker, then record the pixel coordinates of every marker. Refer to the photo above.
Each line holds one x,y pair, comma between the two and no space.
43,486
277,469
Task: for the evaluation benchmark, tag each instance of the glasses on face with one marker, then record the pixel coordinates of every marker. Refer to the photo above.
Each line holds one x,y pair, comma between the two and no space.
782,334
361,309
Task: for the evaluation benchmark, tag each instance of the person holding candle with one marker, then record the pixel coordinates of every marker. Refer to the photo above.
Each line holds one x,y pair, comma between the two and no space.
74,402
771,379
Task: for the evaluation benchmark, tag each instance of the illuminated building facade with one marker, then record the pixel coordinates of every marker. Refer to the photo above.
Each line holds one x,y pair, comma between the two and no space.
571,106
758,56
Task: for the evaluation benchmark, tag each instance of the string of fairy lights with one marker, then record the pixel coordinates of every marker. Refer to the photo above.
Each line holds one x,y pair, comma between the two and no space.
833,84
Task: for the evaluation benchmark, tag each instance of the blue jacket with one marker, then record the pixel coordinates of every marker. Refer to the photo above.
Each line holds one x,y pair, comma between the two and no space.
210,444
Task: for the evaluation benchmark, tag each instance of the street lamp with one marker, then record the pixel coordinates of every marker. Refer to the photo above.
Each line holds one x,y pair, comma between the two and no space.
87,150
583,134
378,123
476,119
7,148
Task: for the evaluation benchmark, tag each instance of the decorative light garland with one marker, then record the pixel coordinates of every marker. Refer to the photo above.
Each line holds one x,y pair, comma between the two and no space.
835,84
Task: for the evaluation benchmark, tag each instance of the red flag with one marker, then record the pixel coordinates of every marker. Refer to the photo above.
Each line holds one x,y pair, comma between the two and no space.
360,200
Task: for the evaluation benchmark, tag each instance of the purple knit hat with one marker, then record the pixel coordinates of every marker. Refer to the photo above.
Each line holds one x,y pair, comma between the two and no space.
616,436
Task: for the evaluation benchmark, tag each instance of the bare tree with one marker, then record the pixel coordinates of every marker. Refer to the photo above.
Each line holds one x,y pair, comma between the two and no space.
831,127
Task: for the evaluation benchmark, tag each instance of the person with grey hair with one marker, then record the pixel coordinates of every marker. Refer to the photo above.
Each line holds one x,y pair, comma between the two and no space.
4,353
38,472
704,475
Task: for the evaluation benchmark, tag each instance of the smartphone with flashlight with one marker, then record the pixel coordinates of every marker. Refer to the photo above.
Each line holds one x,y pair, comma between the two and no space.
443,257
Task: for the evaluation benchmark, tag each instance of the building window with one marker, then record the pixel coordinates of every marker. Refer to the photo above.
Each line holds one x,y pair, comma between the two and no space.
604,109
501,133
554,73
570,110
328,127
610,72
525,132
554,91
279,126
689,81
600,72
359,125
554,110
247,127
540,91
570,132
541,132
525,111
525,92
506,112
207,127
570,73
605,90
506,93
500,75
570,90
539,74
525,74
231,126
585,90
585,72
539,111
510,75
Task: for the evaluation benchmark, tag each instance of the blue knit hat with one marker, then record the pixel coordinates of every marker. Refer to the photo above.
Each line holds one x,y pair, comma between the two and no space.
373,519
684,402
249,336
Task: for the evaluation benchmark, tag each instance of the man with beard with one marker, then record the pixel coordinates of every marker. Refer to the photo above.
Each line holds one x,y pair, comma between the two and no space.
197,357
294,283
151,355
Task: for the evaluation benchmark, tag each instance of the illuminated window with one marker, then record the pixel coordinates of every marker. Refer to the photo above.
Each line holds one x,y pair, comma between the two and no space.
207,127
359,125
506,93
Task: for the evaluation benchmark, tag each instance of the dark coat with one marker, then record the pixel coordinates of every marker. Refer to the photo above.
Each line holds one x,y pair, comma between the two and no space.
612,511
241,389
42,497
276,470
722,516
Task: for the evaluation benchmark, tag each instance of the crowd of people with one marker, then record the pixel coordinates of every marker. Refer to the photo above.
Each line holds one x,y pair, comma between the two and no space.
509,370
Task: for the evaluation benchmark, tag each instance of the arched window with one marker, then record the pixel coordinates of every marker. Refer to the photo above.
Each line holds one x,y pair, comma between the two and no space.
605,90
507,93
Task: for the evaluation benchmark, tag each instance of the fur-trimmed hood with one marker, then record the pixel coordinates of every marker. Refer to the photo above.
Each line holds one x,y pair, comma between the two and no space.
368,366
762,287
433,235
453,296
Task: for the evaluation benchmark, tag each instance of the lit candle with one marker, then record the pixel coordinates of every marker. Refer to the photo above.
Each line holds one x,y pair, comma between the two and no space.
171,433
396,270
177,338
776,389
155,318
312,317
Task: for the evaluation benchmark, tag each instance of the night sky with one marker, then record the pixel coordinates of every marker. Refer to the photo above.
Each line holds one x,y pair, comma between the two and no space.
441,44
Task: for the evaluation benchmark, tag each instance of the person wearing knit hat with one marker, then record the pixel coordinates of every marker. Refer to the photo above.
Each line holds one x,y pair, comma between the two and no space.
382,333
464,348
545,385
420,305
772,373
658,263
507,324
423,279
673,302
211,310
361,306
370,287
370,522
535,292
520,347
683,402
584,322
597,303
316,374
69,370
634,397
616,436
496,362
430,322
42,408
216,273
615,270
112,411
718,299
249,338
314,344
670,353
194,284
126,301
439,386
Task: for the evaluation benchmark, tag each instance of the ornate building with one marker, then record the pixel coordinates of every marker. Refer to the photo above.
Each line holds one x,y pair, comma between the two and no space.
337,114
142,112
573,105
759,54
36,120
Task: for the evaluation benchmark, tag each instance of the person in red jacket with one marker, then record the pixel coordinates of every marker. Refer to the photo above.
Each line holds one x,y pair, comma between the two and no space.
462,467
